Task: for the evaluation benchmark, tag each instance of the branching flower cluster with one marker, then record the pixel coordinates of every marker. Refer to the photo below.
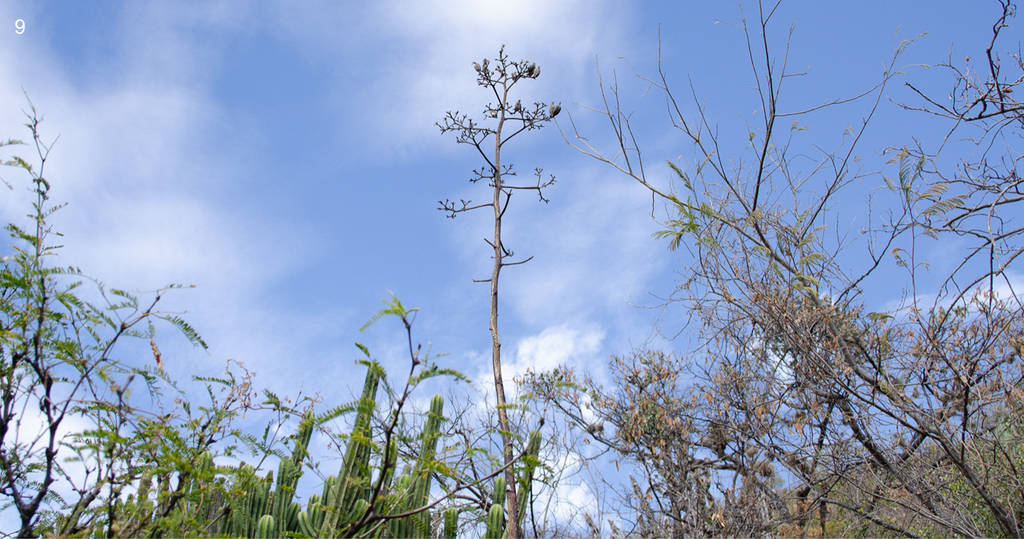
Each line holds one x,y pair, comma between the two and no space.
499,79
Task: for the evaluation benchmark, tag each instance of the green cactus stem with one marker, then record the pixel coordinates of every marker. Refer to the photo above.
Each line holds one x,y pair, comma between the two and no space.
526,476
451,523
302,438
419,490
499,491
306,526
265,528
354,477
495,522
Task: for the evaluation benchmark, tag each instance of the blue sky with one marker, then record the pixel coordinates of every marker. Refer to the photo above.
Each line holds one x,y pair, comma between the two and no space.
283,158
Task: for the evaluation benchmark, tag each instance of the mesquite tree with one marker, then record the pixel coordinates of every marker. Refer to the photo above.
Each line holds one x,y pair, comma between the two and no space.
815,400
502,121
72,443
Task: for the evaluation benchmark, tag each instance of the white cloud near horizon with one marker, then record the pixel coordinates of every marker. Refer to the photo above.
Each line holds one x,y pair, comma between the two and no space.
575,346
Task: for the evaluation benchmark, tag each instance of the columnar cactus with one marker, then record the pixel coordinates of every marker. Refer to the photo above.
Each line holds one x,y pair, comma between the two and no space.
285,511
495,522
496,528
526,477
267,507
354,478
265,527
419,489
496,515
451,523
260,501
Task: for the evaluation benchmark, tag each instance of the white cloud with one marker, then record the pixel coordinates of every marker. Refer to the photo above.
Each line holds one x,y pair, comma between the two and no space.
570,500
596,251
573,493
411,61
555,346
156,178
1009,287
